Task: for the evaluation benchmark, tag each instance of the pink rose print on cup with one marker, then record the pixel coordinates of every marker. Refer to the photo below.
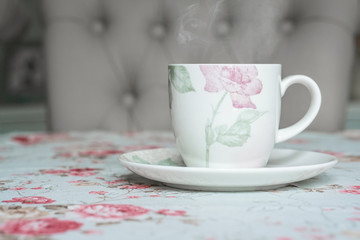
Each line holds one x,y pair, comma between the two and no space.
240,82
41,226
31,200
109,211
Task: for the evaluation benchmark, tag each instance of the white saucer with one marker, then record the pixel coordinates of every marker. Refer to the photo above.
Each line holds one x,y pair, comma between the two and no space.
285,166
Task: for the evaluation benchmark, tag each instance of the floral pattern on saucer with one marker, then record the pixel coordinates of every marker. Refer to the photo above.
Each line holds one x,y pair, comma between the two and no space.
159,157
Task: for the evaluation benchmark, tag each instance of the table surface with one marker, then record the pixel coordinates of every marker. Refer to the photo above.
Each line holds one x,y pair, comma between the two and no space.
72,186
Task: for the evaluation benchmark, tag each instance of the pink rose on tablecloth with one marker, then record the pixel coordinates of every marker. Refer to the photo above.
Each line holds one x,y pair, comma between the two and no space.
19,212
27,140
240,81
39,138
36,227
98,192
116,181
81,172
100,153
170,212
98,150
351,190
133,197
55,172
18,188
93,232
109,211
139,147
336,154
31,200
135,186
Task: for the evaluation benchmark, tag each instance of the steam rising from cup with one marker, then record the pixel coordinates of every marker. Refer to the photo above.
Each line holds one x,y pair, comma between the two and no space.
195,29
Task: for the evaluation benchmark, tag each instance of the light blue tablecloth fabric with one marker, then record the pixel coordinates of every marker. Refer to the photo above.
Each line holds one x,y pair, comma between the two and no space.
72,186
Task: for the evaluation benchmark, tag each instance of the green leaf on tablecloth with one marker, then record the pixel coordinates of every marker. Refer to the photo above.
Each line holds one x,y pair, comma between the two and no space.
137,159
180,79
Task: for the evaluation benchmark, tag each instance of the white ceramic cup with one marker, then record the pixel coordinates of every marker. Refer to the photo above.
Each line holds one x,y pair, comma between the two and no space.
227,115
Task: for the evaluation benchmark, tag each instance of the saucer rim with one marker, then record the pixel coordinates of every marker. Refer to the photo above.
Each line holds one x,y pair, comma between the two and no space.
333,161
228,180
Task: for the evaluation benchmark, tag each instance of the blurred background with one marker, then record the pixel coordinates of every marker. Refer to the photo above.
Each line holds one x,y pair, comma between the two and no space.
22,78
40,51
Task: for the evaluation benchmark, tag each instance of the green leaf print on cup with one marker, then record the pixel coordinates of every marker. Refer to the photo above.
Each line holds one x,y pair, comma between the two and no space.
239,132
240,82
236,136
179,78
249,116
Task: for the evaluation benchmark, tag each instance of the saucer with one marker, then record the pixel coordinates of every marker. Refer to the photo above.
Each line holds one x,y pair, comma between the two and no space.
285,166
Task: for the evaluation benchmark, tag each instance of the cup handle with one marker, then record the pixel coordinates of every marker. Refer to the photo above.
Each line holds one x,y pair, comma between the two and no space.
288,132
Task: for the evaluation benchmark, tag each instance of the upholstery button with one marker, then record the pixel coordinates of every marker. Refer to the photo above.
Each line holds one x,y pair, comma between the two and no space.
98,27
128,100
158,31
223,28
287,26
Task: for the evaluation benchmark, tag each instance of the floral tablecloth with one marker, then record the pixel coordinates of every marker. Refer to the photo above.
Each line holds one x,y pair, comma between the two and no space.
72,186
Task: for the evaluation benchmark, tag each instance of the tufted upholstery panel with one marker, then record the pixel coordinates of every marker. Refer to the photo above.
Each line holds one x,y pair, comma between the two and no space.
107,60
